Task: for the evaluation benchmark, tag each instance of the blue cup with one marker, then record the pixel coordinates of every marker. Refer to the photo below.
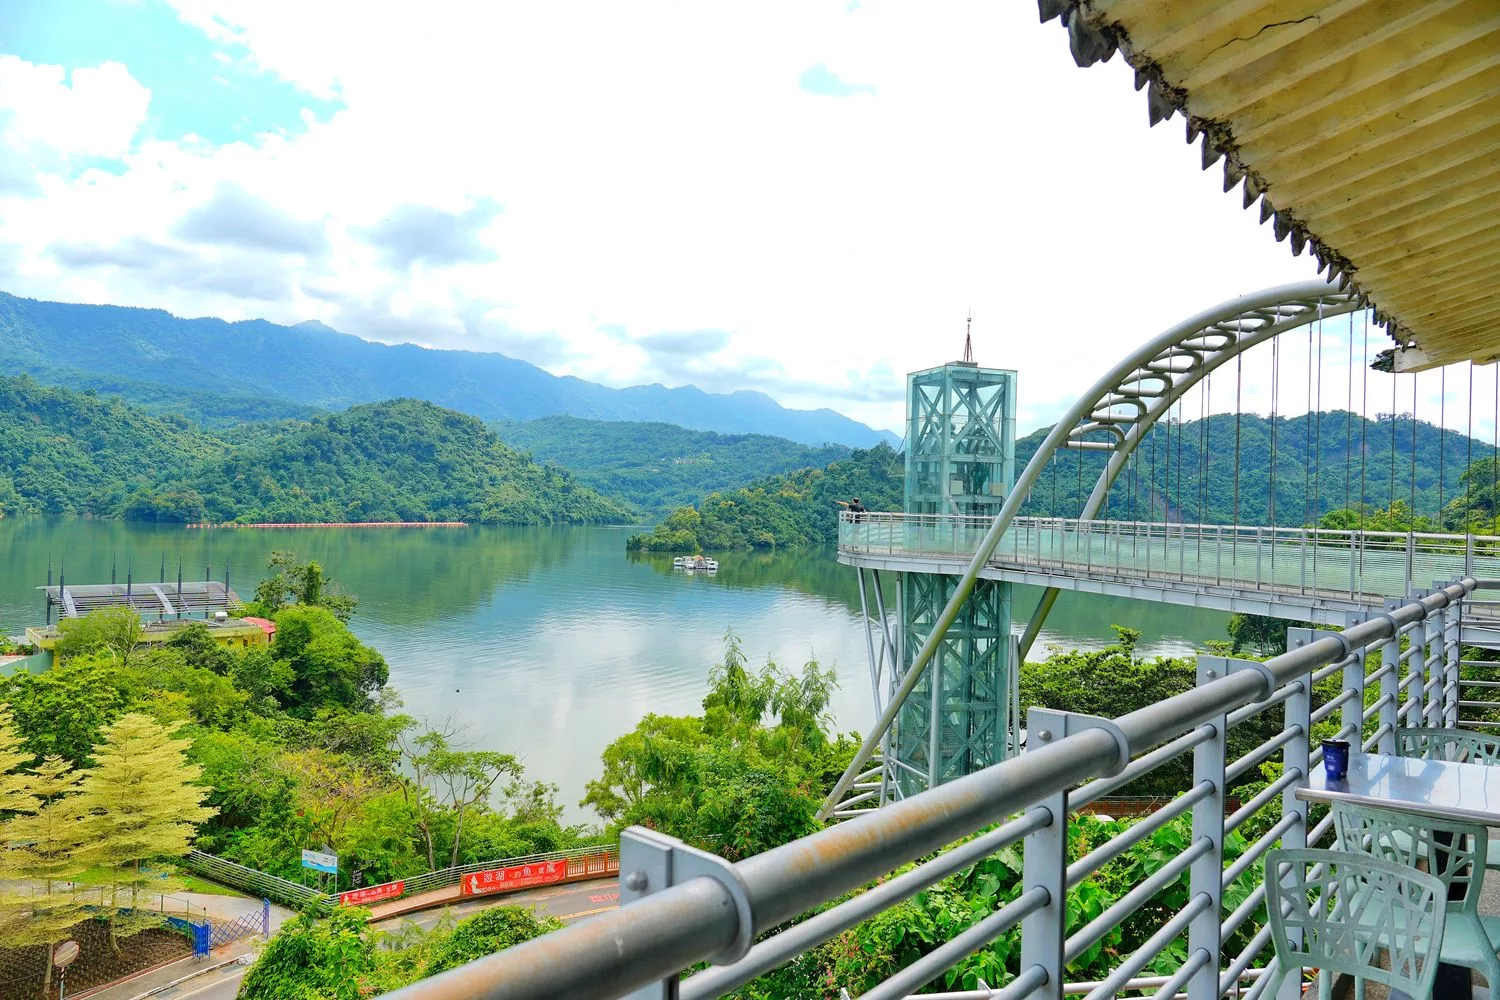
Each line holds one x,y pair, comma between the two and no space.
1336,759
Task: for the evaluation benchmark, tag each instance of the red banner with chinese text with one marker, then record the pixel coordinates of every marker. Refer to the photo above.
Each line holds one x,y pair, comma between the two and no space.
375,893
515,877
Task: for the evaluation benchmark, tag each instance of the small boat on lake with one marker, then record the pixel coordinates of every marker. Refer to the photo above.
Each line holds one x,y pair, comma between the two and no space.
695,564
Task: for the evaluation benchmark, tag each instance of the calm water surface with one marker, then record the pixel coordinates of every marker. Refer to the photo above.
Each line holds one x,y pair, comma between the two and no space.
548,643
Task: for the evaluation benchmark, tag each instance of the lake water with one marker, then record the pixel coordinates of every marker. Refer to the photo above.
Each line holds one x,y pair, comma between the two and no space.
548,643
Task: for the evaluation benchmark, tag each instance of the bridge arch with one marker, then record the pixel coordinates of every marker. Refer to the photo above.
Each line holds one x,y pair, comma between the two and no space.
1155,376
1114,415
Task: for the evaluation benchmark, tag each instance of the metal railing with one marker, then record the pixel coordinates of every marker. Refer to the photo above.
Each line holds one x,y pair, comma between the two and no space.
256,882
582,862
1359,566
1397,667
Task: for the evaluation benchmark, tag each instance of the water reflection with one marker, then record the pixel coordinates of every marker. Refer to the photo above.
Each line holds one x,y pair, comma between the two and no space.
548,642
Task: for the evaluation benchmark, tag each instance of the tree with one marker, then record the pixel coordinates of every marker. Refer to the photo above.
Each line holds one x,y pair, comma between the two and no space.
64,710
448,780
15,792
746,776
329,666
316,959
1258,633
114,629
45,842
485,933
140,803
196,643
330,790
302,583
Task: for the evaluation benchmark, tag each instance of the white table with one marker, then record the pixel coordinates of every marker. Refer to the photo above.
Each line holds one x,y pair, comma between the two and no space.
1438,788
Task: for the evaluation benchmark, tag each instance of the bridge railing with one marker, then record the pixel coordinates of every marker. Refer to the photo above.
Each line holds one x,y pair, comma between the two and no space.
1361,566
680,906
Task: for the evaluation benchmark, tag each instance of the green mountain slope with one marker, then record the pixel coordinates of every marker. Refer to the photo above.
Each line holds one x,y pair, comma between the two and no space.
64,452
312,365
401,460
1192,471
797,508
659,466
213,409
1196,472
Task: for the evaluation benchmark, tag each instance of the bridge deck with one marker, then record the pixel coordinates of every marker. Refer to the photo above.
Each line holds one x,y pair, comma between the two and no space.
1312,574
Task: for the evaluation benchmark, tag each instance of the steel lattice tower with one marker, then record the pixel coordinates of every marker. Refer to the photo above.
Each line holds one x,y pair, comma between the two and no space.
960,459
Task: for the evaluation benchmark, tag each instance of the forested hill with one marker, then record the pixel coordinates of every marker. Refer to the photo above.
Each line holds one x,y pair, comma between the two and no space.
659,466
147,354
1198,470
65,452
1190,471
797,508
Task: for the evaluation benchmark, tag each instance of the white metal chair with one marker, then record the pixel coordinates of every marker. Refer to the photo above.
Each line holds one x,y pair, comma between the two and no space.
1339,911
1454,852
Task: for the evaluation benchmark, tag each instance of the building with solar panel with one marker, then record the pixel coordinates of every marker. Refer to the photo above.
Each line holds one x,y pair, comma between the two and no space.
164,608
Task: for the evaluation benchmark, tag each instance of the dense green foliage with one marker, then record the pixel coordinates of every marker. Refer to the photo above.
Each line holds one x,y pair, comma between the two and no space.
64,452
299,745
659,466
1189,471
743,777
150,355
1113,681
797,508
343,957
1207,470
403,460
203,407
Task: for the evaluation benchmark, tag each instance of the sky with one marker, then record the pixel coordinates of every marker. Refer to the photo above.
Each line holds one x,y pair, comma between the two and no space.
802,198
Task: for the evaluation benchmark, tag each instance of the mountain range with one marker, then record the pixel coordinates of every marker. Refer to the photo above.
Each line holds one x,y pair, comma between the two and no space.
220,372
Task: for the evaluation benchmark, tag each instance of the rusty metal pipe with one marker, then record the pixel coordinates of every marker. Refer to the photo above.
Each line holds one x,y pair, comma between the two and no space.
608,955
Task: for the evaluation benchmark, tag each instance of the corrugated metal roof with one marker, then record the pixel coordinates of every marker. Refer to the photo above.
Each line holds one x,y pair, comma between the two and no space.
1369,130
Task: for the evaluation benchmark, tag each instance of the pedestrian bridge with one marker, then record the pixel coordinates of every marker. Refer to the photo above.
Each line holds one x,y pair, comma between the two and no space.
1307,574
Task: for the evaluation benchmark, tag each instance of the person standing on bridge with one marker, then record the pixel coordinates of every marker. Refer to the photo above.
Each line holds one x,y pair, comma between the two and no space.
854,507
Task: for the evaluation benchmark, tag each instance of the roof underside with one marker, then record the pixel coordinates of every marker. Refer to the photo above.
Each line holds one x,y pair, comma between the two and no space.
1369,129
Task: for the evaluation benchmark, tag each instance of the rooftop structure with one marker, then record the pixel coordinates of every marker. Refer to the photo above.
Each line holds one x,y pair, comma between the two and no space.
198,598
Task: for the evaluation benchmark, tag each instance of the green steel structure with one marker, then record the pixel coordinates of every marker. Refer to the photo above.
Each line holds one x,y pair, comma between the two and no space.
960,460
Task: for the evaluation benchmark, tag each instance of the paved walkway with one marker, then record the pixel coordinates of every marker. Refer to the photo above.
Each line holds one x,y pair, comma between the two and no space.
183,977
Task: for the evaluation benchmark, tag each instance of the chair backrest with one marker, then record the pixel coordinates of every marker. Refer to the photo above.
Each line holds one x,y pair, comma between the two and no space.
1448,744
1456,852
1338,911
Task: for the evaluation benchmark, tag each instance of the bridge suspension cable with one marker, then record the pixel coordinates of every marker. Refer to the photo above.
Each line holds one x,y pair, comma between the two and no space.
1121,406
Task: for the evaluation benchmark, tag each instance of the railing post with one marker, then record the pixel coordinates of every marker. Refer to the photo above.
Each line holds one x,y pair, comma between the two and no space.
1352,718
1219,554
1352,581
1411,552
1303,585
1257,556
652,861
1468,553
1044,859
1433,669
1297,753
1452,633
1206,877
1390,687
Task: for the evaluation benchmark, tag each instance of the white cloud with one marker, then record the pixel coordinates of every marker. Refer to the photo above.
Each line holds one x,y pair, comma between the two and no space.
660,171
45,113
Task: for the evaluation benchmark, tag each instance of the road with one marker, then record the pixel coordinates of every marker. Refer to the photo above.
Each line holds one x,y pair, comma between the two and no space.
567,903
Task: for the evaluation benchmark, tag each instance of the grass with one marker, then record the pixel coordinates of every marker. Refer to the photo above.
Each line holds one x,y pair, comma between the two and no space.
185,882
